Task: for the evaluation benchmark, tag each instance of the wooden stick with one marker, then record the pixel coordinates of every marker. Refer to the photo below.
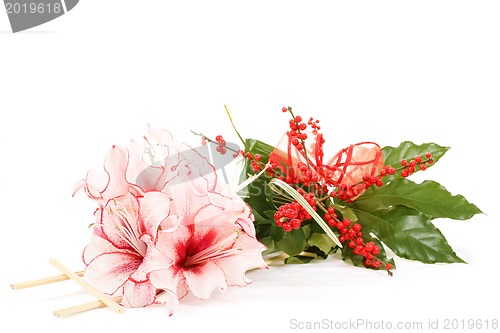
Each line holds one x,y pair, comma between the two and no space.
87,286
39,282
83,307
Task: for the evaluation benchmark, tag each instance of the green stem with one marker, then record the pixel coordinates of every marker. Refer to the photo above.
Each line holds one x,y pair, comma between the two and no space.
238,133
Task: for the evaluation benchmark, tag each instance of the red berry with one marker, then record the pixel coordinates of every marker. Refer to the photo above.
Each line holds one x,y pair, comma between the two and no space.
352,244
284,109
376,250
295,223
428,155
218,138
418,159
388,266
298,119
356,227
358,249
404,162
404,173
423,167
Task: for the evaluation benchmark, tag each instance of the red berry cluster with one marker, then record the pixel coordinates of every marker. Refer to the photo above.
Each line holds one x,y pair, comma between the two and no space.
297,137
291,215
307,175
410,167
221,144
345,192
254,161
314,125
352,235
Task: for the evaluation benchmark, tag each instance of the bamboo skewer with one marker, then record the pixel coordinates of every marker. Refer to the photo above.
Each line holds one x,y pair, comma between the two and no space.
103,300
87,286
83,307
40,282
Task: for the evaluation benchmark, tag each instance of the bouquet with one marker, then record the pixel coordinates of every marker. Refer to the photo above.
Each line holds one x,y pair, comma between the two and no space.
168,222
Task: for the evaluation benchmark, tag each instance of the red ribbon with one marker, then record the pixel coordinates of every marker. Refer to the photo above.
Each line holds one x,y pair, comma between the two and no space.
347,168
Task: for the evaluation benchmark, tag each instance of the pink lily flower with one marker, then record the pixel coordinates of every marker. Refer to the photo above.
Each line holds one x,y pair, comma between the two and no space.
213,247
164,226
120,253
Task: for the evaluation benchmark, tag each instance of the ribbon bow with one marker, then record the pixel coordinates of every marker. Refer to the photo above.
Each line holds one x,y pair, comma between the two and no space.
347,174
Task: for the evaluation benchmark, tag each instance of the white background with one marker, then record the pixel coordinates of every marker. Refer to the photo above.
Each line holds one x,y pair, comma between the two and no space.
384,71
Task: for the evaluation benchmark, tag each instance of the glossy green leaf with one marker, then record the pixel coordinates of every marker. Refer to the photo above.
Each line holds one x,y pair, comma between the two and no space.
409,233
260,196
346,212
259,147
276,232
429,197
298,260
293,242
321,241
260,219
269,244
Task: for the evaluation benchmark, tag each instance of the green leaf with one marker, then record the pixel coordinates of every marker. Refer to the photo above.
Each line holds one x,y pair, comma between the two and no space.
257,193
298,260
259,147
321,241
276,232
260,196
408,150
293,242
269,243
346,212
270,215
259,219
409,233
429,197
